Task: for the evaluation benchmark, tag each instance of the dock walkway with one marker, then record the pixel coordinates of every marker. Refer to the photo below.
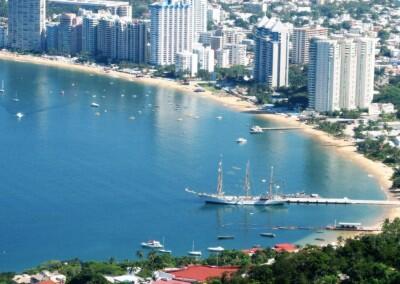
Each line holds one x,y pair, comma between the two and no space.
281,128
319,200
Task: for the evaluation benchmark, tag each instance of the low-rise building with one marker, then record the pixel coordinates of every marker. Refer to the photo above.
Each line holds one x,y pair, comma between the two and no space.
186,63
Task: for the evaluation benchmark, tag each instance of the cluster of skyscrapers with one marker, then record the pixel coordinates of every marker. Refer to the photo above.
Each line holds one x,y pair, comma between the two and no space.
341,67
110,35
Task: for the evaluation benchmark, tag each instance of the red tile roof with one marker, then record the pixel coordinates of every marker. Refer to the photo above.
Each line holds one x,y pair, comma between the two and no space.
169,282
47,282
251,251
285,247
202,272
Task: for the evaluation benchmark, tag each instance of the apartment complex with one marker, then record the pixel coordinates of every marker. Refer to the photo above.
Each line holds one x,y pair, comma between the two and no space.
171,31
341,73
271,58
26,24
301,42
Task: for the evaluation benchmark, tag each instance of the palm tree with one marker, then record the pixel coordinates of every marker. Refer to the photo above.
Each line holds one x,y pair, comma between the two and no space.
139,254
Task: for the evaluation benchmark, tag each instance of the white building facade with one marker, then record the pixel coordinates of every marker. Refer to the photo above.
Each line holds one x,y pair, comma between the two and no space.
171,31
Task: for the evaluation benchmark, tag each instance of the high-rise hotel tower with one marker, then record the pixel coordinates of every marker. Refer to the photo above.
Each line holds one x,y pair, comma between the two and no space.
171,31
26,24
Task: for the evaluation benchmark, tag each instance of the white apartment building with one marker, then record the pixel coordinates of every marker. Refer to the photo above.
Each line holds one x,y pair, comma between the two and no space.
26,24
324,75
341,73
171,31
199,10
237,54
222,58
205,57
365,71
301,42
186,62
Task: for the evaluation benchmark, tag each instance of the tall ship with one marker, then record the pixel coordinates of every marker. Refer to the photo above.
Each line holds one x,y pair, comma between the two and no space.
267,199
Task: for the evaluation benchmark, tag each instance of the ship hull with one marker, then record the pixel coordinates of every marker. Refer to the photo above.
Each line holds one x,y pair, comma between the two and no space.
242,201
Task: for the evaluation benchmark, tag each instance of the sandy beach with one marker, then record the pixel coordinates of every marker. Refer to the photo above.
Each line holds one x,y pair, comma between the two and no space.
377,170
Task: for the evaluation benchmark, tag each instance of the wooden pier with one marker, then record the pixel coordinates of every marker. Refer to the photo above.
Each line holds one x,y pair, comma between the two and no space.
343,201
280,128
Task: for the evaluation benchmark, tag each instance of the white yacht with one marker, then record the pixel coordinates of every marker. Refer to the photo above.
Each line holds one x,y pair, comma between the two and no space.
268,199
215,249
94,105
152,244
19,115
164,250
256,129
194,252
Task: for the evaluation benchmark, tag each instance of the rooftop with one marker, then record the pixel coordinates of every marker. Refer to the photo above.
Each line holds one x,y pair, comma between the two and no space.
202,272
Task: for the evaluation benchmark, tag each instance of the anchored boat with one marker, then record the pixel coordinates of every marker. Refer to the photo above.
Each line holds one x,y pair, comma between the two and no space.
268,199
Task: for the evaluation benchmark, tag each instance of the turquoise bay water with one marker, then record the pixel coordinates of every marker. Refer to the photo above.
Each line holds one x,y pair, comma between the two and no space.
77,184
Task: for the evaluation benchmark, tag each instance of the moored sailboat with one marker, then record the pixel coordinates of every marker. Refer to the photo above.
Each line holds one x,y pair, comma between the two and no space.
270,198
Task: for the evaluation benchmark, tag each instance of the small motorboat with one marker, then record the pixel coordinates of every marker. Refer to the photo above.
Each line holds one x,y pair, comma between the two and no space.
268,235
241,140
227,237
219,117
152,244
215,249
256,129
19,115
94,105
166,251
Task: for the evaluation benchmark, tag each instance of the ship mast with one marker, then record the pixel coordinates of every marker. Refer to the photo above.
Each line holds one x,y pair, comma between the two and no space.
247,180
271,182
220,180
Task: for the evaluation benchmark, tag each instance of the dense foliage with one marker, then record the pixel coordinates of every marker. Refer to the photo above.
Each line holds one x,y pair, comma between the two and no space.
368,259
390,93
334,128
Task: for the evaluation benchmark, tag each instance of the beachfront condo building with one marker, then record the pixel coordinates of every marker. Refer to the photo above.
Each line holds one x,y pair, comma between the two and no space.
324,75
199,17
186,63
171,31
120,40
26,24
341,73
104,30
206,57
271,58
138,41
301,42
89,33
3,35
69,34
365,71
237,54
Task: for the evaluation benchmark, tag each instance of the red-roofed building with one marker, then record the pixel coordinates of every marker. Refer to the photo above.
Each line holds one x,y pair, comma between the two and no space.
285,247
47,282
251,251
200,273
169,282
